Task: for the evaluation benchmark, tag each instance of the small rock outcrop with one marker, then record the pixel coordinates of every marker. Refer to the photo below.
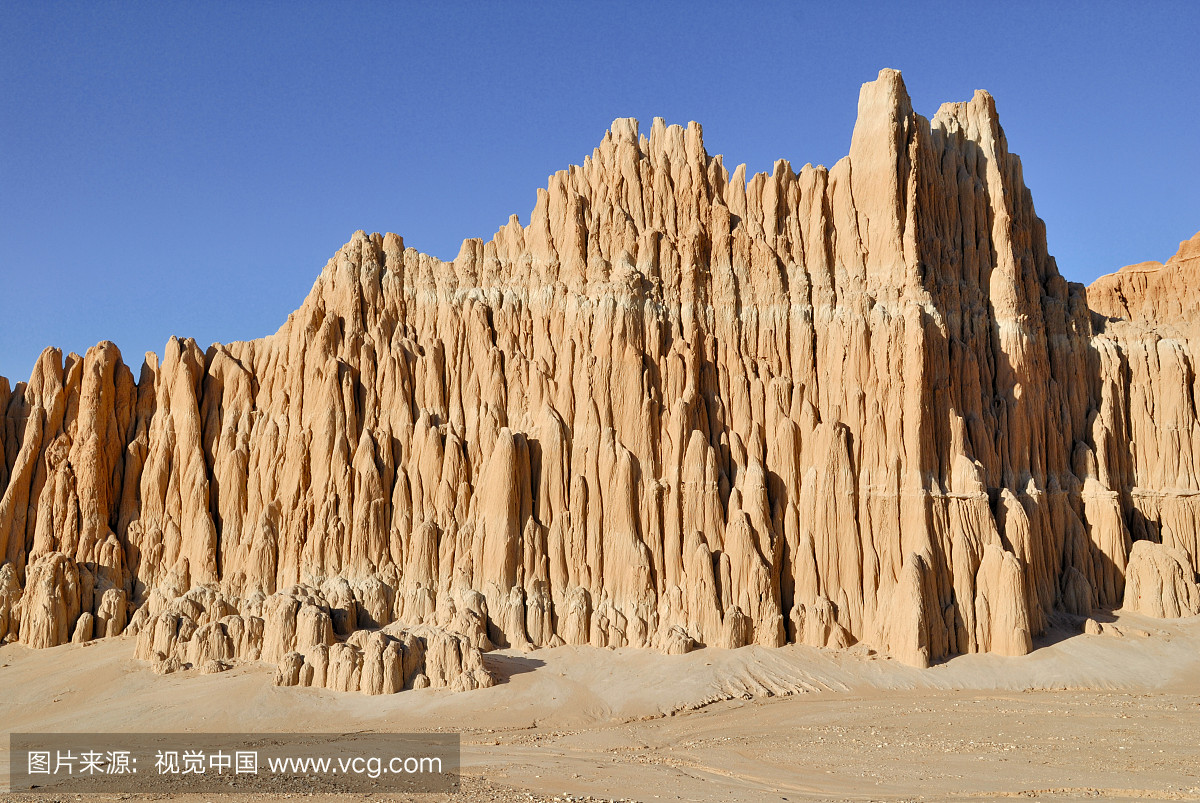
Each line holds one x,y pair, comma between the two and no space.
294,628
10,604
1159,581
388,661
50,604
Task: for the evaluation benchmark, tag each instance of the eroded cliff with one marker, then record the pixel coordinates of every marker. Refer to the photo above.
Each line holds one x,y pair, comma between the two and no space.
677,408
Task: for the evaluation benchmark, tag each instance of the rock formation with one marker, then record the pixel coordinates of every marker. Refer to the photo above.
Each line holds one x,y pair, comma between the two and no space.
1151,292
679,408
1147,339
1160,581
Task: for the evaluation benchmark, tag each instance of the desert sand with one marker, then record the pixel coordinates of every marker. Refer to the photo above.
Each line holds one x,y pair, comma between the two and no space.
1083,716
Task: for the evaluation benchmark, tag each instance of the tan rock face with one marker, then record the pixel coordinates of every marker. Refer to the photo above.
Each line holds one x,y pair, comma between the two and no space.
50,605
1160,582
1147,341
388,661
676,409
10,599
1151,291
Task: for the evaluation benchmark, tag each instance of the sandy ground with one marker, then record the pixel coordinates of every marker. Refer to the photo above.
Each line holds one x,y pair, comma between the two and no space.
1082,717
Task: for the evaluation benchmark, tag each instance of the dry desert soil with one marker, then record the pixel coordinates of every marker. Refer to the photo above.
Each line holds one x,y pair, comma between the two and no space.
1113,716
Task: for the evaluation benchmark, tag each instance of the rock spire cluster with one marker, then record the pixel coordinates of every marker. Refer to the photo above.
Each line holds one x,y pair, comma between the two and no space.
679,408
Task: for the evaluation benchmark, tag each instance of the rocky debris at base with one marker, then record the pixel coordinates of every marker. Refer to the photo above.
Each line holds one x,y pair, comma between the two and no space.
294,628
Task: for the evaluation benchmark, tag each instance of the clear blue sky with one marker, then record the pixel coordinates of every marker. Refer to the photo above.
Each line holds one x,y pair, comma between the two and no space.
188,168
